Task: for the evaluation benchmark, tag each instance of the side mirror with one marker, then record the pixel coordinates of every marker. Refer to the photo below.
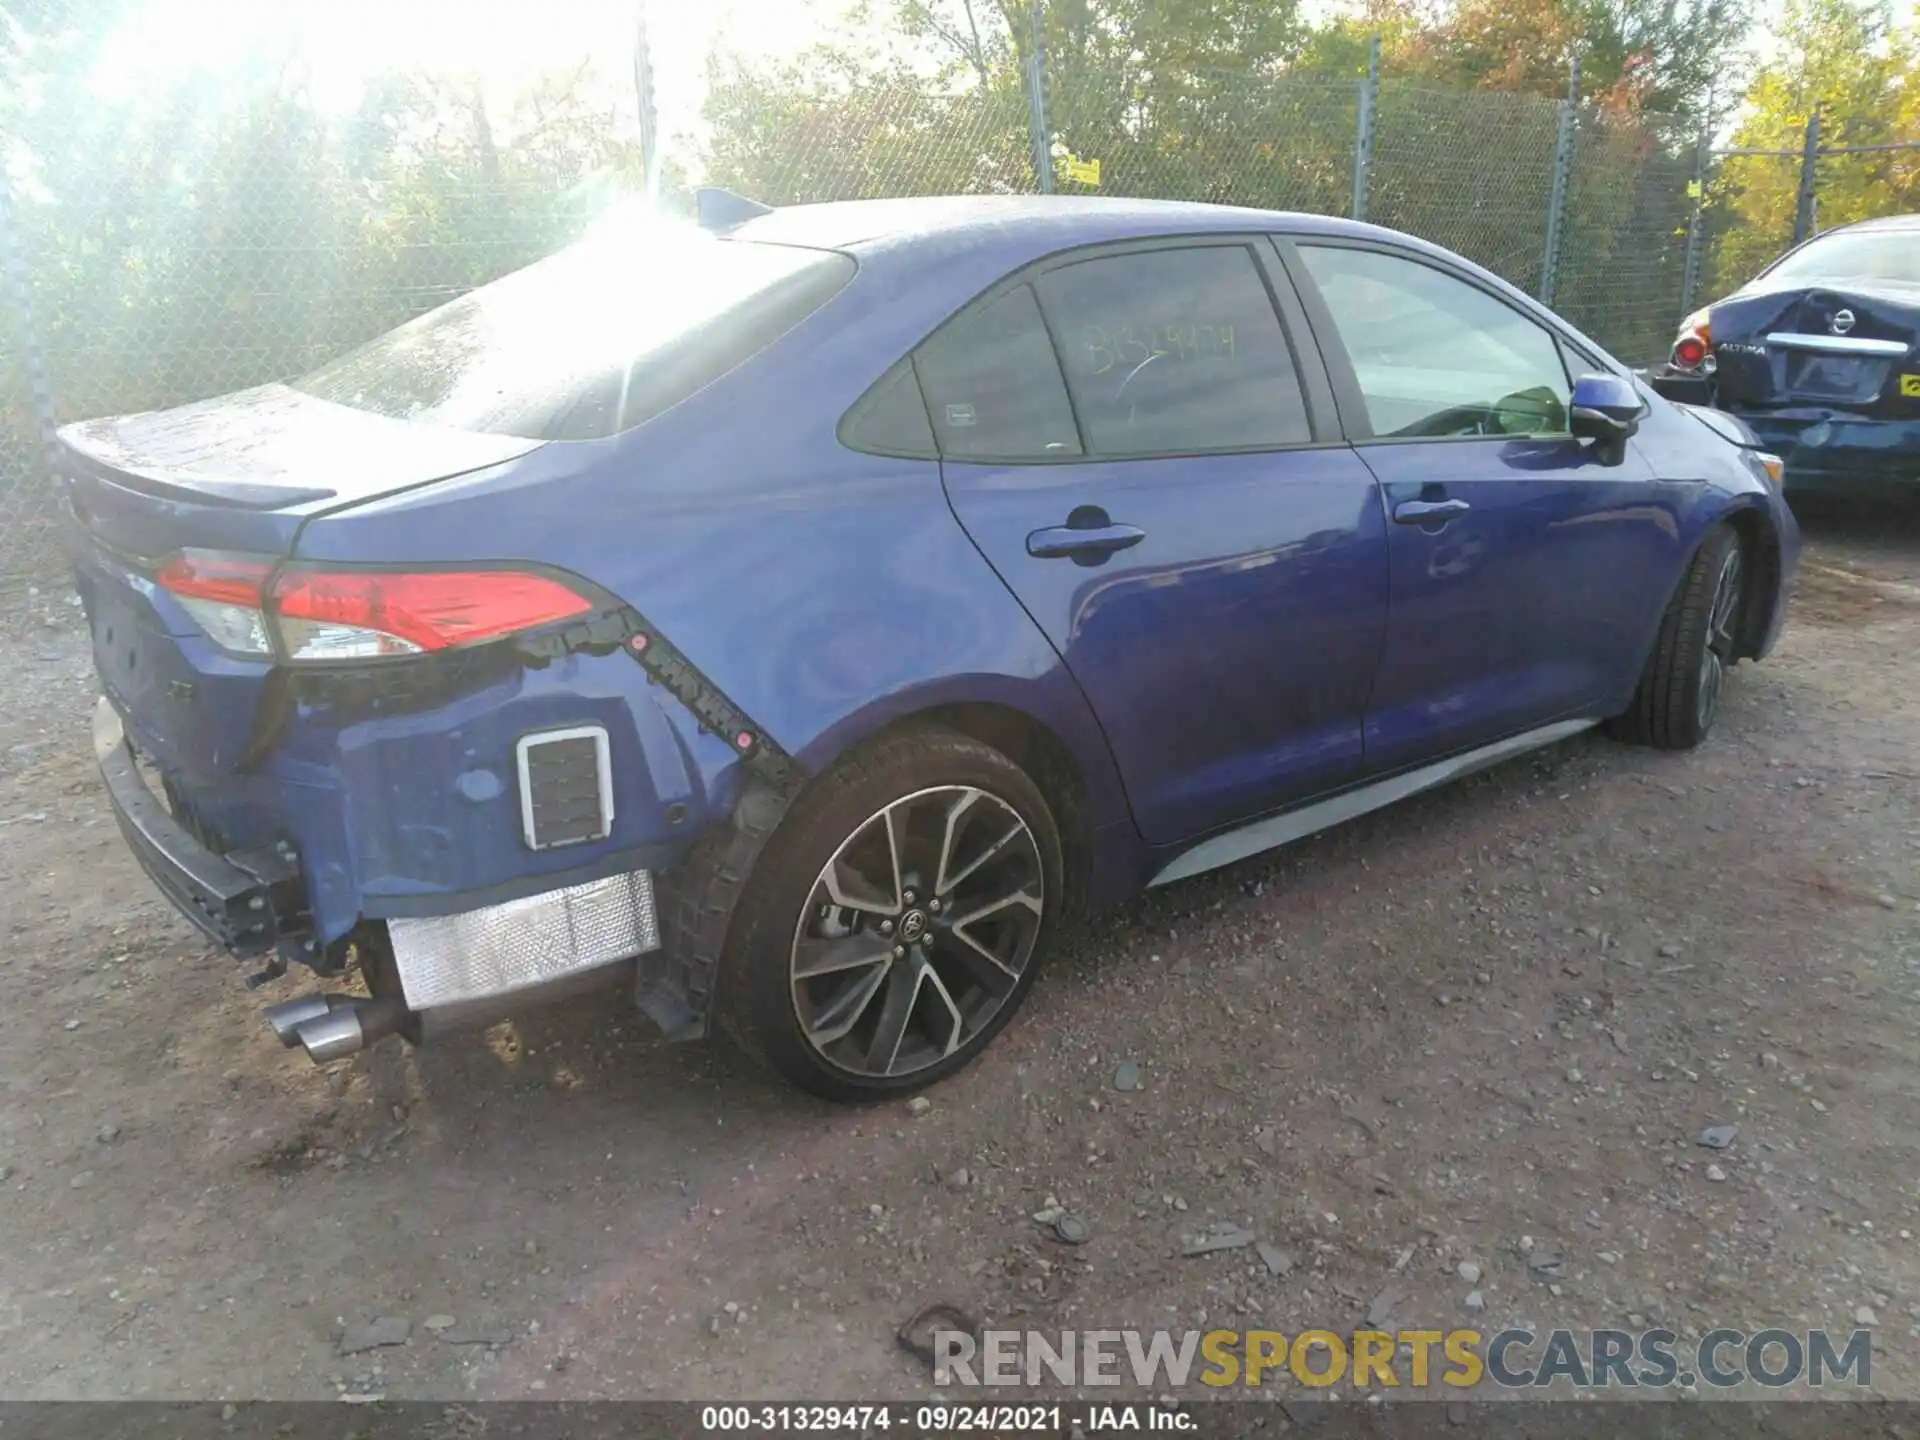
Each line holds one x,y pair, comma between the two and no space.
1606,410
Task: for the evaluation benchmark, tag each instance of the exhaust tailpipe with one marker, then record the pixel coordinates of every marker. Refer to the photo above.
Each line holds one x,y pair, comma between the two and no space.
287,1017
348,1025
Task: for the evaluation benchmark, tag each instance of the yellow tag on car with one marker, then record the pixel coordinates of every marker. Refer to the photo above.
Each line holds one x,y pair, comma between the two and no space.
1910,385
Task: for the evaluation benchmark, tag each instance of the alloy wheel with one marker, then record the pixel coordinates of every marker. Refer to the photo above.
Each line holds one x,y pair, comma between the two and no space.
917,931
1717,658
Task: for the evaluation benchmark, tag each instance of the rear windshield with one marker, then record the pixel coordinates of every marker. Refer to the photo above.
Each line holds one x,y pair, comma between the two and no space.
591,341
1855,255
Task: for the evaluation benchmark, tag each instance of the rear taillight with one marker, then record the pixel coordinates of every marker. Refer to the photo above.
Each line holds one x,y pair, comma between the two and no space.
365,614
321,614
1693,351
223,595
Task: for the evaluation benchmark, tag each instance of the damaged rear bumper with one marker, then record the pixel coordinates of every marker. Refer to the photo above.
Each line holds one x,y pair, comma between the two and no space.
433,971
249,903
469,837
1834,452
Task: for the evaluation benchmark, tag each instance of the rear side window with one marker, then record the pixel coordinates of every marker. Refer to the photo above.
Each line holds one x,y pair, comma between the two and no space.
993,386
1173,351
891,418
589,342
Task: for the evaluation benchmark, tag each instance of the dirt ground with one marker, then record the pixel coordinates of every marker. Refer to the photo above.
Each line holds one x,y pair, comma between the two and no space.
1481,1027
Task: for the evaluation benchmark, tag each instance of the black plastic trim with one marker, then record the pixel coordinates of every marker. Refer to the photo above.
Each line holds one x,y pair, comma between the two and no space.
247,903
626,629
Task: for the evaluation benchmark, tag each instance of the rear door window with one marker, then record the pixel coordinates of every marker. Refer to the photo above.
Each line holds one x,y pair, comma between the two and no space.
1175,351
993,386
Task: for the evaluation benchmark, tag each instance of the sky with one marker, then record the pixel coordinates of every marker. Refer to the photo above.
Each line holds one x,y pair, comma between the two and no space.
506,41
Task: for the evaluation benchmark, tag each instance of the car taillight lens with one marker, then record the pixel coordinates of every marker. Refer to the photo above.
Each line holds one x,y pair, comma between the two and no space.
222,593
1694,349
365,614
322,614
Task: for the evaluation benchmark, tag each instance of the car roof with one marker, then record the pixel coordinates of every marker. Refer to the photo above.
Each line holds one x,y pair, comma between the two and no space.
1000,233
1881,222
1049,221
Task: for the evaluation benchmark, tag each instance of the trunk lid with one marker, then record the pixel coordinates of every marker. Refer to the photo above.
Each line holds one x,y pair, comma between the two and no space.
242,473
245,470
1847,346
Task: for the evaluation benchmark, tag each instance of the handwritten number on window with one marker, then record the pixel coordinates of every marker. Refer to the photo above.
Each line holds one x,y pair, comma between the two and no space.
1126,346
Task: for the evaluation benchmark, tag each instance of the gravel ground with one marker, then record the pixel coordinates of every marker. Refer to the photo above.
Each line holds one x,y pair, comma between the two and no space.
1476,1031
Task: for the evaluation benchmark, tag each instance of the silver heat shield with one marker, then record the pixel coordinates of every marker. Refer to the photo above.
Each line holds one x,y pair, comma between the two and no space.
522,943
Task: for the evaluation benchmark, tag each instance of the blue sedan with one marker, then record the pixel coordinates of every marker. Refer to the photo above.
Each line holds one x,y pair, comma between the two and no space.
800,618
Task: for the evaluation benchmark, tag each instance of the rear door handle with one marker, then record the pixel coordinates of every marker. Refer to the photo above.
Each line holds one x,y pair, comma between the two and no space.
1066,541
1420,512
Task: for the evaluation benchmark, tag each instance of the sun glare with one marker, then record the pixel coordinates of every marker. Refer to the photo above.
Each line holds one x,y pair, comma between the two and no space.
331,47
157,48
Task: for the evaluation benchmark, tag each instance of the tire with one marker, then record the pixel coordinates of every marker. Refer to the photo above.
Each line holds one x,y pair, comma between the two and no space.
842,984
1678,698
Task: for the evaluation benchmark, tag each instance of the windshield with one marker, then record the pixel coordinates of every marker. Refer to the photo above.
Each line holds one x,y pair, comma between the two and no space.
591,341
1855,255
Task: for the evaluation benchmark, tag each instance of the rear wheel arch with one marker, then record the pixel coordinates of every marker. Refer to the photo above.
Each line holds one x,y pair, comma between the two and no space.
912,761
1031,744
678,986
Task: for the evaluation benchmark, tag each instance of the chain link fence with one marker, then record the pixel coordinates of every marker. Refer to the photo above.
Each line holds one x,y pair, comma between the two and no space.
1622,269
877,140
157,249
1759,202
1226,138
1469,170
1747,217
168,247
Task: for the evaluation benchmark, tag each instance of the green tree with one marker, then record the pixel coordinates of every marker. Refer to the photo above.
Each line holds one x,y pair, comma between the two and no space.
836,125
224,231
1848,58
1670,56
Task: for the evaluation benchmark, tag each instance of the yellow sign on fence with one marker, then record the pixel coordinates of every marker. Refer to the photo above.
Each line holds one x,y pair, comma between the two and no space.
1081,172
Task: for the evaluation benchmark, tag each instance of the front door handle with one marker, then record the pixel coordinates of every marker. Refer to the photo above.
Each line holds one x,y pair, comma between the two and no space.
1071,542
1424,512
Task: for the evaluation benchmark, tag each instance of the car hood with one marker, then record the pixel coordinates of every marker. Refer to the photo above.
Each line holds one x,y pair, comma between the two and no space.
1730,428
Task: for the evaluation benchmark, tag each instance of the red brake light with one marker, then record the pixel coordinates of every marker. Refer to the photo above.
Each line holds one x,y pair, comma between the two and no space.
321,615
222,579
424,610
1694,349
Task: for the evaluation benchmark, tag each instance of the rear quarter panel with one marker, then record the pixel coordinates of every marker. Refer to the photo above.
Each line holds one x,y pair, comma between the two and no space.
827,593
